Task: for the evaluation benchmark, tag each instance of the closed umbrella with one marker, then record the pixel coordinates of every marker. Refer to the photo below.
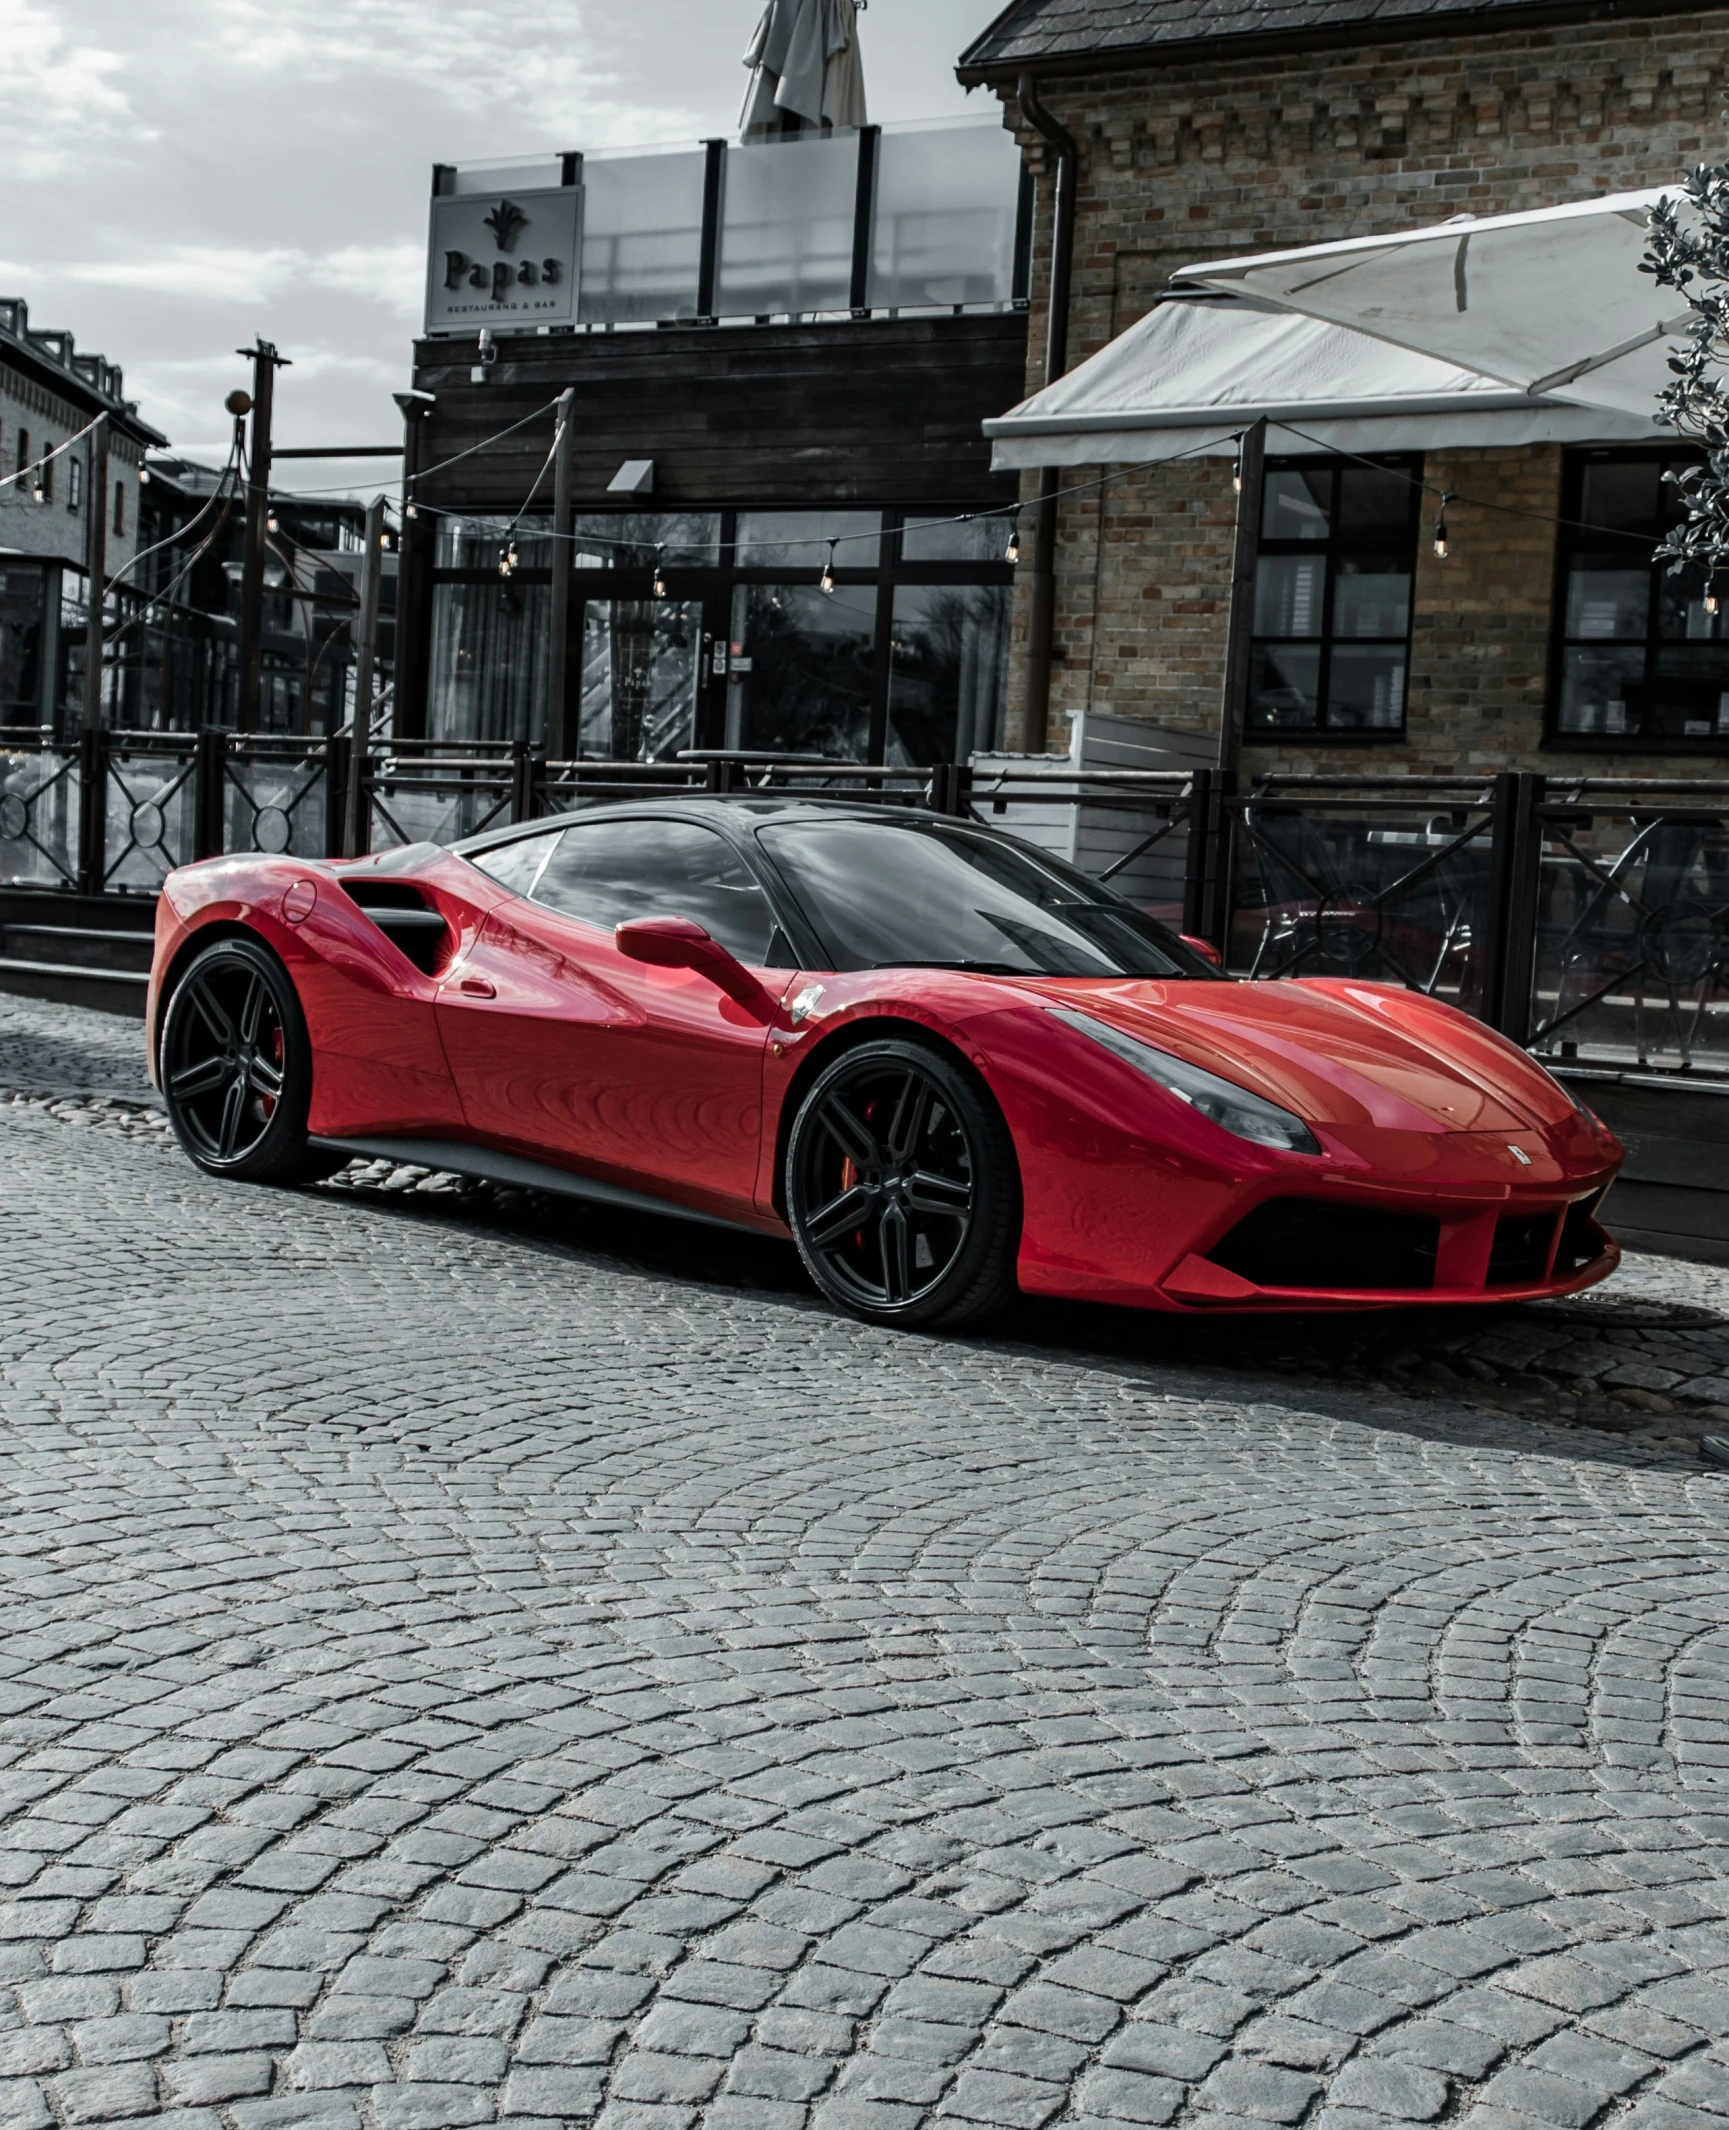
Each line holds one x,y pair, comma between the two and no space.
1550,301
804,59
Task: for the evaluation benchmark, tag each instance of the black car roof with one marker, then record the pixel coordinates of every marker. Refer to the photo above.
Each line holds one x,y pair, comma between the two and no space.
699,806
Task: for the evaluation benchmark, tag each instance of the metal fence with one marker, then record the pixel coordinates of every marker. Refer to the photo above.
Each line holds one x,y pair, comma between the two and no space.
1587,918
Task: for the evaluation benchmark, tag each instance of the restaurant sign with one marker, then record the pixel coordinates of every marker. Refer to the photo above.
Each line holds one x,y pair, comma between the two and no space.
503,260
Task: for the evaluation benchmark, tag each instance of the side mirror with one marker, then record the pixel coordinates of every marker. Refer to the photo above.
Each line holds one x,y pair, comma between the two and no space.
681,943
1204,948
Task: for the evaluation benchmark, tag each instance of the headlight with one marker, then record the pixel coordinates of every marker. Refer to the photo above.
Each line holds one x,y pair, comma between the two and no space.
1233,1108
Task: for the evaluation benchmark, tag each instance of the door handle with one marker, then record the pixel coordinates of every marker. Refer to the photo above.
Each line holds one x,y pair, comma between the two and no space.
476,987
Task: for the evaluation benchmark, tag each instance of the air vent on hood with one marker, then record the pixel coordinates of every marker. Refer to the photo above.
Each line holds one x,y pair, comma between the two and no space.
406,918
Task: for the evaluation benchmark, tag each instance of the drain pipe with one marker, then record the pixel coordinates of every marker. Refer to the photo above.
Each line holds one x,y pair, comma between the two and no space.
1041,620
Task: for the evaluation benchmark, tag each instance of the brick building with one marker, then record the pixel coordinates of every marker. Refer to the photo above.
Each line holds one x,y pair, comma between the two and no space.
1205,130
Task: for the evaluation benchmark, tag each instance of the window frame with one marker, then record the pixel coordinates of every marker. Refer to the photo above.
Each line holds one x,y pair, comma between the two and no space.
1570,542
1335,547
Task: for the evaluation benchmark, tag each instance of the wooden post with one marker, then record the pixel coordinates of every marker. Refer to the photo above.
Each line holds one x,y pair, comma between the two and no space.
265,363
365,670
555,732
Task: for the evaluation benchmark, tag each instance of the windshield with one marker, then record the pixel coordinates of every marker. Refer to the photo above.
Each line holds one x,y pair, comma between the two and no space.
883,894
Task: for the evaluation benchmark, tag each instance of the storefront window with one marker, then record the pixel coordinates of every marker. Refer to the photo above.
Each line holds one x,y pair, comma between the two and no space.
697,630
640,675
1640,659
948,671
488,677
805,683
1333,596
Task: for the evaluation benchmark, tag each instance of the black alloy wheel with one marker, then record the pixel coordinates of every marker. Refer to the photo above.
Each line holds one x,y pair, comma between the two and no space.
902,1188
236,1067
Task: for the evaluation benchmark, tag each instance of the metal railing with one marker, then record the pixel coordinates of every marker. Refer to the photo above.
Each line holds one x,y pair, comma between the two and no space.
1587,918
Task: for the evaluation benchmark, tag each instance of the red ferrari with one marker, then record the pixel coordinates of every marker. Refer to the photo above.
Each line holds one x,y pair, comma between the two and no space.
949,1066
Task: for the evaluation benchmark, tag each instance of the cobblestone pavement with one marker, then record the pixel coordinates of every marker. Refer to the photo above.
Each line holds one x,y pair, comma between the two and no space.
460,1667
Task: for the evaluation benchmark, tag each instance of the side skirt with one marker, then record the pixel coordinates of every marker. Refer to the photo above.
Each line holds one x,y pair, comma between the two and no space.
459,1159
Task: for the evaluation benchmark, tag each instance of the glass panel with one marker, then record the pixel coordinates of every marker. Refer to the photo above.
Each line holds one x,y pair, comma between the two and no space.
886,893
1371,600
1374,503
476,542
952,540
948,671
786,227
807,686
947,197
1681,609
488,679
606,872
641,237
1623,492
516,865
1606,603
1688,696
616,539
507,174
640,673
39,810
22,599
1297,504
1290,595
1282,689
791,539
1596,687
1366,689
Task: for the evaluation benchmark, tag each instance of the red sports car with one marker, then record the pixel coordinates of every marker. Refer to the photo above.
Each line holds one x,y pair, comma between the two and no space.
947,1065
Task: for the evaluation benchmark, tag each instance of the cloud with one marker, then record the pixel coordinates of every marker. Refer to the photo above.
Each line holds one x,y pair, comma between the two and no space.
58,97
391,274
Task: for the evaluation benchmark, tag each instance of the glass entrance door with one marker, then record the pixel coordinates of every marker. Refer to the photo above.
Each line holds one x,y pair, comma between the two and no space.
641,678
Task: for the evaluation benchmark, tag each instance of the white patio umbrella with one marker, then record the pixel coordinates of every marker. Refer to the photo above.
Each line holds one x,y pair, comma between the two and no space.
1550,301
804,59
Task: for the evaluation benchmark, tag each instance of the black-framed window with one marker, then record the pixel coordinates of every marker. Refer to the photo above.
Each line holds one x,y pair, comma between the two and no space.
1337,553
1639,662
713,629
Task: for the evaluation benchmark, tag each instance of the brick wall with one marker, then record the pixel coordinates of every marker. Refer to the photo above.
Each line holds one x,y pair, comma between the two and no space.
1180,164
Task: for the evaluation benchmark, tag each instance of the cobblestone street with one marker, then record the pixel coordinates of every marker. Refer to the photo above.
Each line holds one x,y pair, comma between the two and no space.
472,1661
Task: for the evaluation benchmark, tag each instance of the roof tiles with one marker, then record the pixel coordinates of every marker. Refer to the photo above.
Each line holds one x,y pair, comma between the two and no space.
1050,29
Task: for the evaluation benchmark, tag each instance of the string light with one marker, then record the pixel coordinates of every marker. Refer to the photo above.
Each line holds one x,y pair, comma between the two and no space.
1014,551
411,510
507,558
827,583
659,575
38,494
1442,544
1711,597
270,524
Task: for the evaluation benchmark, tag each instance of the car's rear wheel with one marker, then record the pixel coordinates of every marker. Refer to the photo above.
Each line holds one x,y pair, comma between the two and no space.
237,1067
902,1188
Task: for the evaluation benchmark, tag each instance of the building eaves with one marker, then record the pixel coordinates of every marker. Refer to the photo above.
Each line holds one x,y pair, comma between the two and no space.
1073,36
52,360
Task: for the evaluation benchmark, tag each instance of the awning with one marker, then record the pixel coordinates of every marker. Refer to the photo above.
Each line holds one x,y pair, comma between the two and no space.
1199,367
1550,301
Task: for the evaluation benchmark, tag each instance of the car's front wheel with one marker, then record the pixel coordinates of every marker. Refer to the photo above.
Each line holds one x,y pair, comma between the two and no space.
902,1188
237,1067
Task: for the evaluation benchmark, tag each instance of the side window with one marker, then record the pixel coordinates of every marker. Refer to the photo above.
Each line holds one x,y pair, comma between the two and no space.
515,865
604,872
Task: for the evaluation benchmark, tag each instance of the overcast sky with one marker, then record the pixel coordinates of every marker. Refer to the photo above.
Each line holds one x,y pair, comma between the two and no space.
183,174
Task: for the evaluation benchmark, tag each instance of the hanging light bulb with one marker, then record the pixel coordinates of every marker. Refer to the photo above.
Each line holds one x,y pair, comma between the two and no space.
827,581
38,494
411,510
1711,597
1237,471
1014,549
1442,544
384,541
507,558
659,574
270,524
